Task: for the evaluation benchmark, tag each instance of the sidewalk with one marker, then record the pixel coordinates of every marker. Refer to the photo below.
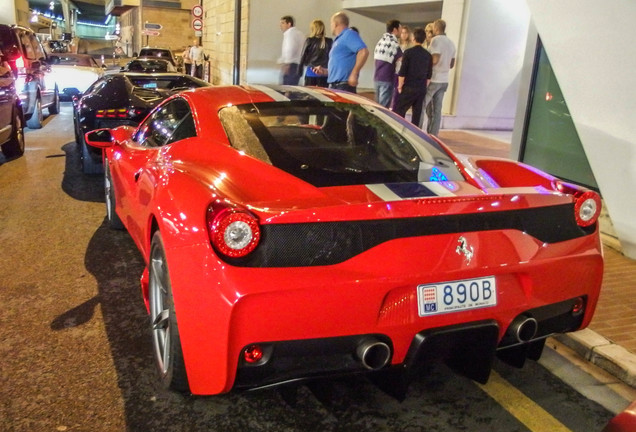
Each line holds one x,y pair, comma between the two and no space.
610,340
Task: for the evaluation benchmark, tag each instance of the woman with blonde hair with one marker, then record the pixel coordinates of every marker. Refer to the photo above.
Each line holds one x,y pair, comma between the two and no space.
406,38
315,53
429,35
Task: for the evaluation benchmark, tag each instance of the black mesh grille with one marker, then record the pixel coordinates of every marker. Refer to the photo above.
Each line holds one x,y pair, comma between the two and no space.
325,243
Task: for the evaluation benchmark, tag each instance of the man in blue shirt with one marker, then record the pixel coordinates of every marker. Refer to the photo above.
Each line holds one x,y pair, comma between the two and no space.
347,56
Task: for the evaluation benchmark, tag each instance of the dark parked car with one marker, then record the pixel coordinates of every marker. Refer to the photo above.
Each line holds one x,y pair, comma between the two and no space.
149,65
122,99
35,81
163,53
11,119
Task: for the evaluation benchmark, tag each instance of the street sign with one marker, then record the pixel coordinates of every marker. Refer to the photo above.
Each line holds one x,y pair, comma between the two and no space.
197,11
197,24
152,26
150,33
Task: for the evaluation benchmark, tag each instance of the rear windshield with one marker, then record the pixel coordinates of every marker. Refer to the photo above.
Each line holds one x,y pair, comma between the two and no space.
155,52
170,82
157,65
72,60
334,144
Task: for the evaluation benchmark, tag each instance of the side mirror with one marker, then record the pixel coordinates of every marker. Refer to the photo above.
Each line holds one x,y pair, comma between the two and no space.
100,138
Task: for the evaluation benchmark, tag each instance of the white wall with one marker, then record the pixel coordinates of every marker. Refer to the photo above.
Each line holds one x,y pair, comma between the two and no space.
491,37
265,38
8,12
590,46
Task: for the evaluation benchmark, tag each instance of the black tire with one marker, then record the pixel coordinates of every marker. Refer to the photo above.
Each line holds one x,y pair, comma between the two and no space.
89,166
163,321
35,122
113,218
15,146
54,108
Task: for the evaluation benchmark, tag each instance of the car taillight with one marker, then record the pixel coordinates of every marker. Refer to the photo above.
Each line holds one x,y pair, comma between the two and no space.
19,62
119,113
587,208
233,231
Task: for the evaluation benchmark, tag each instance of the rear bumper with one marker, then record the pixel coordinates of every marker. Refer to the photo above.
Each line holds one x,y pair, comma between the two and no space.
468,348
223,309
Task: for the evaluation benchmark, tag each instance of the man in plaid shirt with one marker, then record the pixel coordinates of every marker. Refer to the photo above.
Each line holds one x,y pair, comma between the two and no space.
386,53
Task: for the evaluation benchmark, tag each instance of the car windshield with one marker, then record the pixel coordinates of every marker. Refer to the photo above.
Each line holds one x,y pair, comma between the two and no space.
335,144
148,65
155,52
170,82
71,60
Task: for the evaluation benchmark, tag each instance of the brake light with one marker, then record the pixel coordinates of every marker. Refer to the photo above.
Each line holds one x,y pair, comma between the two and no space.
119,113
253,354
587,208
19,62
233,231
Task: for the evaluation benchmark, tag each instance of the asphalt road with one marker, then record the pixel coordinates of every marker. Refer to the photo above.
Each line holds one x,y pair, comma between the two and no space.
75,346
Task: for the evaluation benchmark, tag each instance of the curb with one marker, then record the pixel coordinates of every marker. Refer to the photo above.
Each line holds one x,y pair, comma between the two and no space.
603,353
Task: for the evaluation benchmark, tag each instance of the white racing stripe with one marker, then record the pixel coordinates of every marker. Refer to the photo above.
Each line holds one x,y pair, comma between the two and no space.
384,192
276,95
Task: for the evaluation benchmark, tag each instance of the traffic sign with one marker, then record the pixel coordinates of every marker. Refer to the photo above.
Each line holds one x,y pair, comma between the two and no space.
197,11
197,24
150,33
152,26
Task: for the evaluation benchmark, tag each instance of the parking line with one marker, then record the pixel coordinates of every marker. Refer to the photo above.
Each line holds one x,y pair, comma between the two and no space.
520,406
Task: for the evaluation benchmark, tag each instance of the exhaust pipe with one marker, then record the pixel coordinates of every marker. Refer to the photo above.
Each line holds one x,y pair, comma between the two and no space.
523,328
373,354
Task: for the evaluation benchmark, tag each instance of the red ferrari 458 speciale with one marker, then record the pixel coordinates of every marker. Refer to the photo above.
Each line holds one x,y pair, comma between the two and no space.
292,233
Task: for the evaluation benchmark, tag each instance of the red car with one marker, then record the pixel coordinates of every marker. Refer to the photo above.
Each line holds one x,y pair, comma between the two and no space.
293,233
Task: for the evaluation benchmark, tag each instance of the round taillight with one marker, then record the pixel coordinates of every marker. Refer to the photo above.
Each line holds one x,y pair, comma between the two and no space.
253,354
234,232
578,306
587,208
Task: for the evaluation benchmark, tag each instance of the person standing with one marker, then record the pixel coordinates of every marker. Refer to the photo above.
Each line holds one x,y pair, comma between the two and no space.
429,35
413,78
386,54
187,62
348,54
293,41
443,51
197,58
315,54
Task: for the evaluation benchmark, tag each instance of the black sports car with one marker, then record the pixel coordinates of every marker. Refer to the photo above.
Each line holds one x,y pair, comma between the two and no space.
122,99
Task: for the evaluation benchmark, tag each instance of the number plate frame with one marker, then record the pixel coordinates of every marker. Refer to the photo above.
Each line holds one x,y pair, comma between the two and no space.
446,297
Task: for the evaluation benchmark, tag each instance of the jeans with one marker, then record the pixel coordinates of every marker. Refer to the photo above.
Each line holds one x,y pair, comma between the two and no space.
342,85
435,96
290,74
383,93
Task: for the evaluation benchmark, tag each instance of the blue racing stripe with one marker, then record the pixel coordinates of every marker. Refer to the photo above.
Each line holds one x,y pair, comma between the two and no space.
410,190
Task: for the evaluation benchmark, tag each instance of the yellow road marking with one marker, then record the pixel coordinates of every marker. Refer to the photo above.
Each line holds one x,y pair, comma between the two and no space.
521,407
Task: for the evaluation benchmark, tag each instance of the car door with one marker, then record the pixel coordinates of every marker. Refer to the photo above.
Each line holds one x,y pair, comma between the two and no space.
7,98
145,162
45,75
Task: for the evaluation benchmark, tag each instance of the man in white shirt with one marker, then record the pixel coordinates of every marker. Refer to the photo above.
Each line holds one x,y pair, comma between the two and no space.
197,58
443,51
293,41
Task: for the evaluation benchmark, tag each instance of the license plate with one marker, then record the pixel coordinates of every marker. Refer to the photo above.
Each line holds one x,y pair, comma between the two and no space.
456,296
